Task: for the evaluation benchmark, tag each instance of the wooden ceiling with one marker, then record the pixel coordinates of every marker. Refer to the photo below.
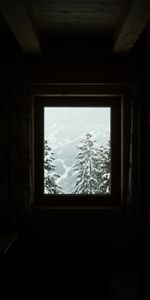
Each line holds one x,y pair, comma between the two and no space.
29,20
82,16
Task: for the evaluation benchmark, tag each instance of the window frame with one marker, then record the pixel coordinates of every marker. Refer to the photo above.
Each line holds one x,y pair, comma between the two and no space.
74,99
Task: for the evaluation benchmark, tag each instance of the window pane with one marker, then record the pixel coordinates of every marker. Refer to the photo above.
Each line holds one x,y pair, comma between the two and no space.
77,150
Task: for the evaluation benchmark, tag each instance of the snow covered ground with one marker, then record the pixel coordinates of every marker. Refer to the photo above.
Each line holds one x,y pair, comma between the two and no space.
65,127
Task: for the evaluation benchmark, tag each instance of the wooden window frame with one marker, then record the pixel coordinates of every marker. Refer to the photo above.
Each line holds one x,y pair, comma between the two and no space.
113,94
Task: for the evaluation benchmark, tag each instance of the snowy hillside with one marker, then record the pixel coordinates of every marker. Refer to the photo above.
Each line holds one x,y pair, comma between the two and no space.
65,128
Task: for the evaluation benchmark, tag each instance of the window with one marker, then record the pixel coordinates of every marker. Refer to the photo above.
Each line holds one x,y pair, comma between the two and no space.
77,150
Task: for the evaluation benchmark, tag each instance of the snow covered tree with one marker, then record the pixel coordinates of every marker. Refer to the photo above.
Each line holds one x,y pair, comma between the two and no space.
92,167
50,177
104,165
86,167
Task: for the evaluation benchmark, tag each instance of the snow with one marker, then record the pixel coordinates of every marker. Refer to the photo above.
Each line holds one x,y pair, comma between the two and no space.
66,168
65,128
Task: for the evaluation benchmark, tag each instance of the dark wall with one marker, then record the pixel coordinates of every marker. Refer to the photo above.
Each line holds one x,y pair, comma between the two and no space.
56,226
17,79
145,164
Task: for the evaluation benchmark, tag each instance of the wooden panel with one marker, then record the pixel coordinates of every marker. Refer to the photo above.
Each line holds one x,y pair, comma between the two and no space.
20,24
53,14
131,26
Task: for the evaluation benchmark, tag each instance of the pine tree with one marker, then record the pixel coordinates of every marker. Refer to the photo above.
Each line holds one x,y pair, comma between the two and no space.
50,177
86,166
92,167
104,169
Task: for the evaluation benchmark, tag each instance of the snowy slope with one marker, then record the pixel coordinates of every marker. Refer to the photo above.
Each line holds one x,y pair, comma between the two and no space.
64,130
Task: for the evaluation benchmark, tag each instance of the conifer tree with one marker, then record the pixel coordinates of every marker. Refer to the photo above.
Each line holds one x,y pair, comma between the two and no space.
86,167
92,167
50,177
104,165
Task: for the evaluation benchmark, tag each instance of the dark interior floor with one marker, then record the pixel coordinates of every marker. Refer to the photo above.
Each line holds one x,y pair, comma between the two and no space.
41,260
69,278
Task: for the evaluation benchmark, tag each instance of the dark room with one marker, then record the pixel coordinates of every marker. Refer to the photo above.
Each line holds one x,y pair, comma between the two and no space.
74,148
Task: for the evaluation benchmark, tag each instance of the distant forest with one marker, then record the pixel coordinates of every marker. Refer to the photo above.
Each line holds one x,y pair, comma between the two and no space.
91,168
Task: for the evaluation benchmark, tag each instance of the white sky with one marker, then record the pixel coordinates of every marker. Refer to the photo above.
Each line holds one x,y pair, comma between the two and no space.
70,123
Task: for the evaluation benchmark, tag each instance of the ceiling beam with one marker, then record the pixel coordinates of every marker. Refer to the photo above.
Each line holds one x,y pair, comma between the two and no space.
132,22
17,17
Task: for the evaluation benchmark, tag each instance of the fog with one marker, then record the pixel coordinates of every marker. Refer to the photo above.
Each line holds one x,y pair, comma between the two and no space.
65,127
64,124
